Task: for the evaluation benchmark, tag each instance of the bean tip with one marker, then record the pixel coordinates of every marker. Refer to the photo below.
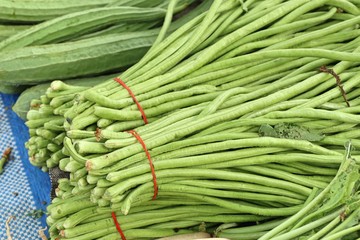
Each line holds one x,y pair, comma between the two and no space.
7,152
98,134
88,165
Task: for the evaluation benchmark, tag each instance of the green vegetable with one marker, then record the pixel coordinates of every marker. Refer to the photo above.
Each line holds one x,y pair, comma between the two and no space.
114,46
22,105
11,89
9,30
339,191
71,25
37,64
4,159
199,161
37,11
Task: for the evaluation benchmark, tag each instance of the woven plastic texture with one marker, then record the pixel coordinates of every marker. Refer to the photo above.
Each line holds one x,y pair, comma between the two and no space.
23,187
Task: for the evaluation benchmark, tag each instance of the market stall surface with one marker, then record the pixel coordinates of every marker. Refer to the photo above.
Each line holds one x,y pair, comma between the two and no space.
24,189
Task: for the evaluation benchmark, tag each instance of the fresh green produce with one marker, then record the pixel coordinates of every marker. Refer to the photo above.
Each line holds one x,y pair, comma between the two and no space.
58,98
245,109
331,213
119,28
97,55
139,3
66,27
338,200
24,11
157,85
83,218
77,217
74,25
22,105
9,30
114,36
47,136
12,89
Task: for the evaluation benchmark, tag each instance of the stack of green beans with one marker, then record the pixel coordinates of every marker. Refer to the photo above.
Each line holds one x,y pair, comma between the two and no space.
218,60
60,97
209,90
73,216
330,213
45,122
23,103
112,106
117,36
232,155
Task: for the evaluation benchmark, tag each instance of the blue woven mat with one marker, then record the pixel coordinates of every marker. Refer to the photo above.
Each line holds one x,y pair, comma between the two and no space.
23,187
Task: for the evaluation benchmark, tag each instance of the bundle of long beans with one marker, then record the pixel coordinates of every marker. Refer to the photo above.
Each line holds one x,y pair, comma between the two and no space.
330,213
117,35
284,70
45,122
60,96
75,217
111,105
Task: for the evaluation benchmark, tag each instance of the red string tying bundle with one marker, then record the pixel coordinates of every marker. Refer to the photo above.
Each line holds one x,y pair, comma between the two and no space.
134,98
141,141
118,226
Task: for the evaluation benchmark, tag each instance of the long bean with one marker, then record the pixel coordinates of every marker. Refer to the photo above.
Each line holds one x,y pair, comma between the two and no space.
208,90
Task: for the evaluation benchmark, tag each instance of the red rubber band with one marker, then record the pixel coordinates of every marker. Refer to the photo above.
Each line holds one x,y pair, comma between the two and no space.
118,226
134,98
137,136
